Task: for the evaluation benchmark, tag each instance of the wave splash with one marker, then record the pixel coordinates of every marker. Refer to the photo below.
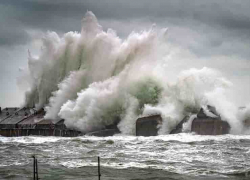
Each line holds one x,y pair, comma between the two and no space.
93,78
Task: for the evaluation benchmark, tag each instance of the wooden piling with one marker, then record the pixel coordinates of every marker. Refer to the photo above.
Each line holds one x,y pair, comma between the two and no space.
99,169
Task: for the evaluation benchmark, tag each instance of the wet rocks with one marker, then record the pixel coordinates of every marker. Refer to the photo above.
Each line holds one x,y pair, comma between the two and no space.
178,128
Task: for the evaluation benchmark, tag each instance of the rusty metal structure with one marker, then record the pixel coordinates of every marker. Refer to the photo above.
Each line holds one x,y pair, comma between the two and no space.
148,126
28,121
203,124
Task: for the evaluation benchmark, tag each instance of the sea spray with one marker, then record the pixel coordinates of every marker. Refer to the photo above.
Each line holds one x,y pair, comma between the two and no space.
94,78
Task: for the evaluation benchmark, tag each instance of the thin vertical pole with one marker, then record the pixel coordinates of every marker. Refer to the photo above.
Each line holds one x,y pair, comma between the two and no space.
99,169
36,170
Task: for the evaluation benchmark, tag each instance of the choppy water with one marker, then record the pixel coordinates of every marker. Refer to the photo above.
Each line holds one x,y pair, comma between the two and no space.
181,156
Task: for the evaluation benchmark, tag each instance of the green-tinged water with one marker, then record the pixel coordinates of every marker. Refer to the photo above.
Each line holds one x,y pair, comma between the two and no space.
181,156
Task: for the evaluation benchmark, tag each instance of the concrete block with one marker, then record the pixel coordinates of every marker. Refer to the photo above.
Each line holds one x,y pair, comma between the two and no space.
148,126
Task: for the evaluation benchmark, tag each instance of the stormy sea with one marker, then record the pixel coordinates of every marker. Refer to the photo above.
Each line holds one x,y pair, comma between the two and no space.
93,78
181,156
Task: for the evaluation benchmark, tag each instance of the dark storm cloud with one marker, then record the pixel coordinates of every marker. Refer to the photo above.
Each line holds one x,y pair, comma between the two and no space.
12,36
226,19
12,32
212,24
232,14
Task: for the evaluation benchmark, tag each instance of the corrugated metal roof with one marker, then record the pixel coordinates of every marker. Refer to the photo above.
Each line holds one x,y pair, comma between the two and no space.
45,121
60,122
16,117
7,112
34,118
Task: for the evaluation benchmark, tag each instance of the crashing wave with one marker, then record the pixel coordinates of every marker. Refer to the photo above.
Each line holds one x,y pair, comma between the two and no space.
93,78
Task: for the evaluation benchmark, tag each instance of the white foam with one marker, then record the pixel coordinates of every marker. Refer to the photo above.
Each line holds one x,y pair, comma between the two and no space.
94,77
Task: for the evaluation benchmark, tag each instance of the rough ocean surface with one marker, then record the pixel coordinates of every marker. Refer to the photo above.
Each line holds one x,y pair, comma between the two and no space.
178,157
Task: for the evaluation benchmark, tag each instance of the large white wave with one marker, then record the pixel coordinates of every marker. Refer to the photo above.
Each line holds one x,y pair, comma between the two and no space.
93,78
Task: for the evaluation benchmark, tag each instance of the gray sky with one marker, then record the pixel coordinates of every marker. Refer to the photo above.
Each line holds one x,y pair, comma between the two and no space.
210,29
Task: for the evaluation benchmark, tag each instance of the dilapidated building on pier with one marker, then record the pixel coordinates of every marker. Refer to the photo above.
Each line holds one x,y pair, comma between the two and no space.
28,121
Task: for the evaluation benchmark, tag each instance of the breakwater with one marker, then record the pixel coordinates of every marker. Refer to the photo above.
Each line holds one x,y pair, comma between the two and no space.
28,121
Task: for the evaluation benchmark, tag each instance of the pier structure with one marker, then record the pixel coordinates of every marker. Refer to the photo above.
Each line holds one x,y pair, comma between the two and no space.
207,125
28,121
202,124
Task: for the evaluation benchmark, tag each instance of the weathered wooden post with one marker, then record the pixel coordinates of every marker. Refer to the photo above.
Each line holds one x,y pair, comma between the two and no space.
99,169
36,170
34,167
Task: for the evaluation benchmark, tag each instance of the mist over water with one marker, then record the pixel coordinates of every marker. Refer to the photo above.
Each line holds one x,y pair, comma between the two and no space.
93,77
